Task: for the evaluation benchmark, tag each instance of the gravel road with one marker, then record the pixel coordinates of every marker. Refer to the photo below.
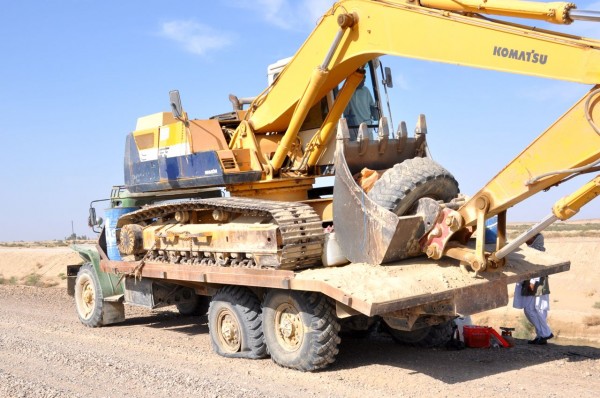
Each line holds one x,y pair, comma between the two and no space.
46,352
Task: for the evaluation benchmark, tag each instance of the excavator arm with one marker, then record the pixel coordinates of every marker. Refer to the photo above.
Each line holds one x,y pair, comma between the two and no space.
408,29
354,32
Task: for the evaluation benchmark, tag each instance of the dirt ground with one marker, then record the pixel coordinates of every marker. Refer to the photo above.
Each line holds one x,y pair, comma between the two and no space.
46,352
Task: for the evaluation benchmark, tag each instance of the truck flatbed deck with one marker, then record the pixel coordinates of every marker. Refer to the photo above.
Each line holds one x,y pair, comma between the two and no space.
372,289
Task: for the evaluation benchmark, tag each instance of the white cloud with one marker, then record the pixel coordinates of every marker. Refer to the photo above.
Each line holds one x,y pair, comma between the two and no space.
288,14
194,37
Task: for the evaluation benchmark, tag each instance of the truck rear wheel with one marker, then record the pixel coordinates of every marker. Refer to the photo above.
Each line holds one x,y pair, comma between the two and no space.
301,330
400,187
428,337
235,324
88,297
197,306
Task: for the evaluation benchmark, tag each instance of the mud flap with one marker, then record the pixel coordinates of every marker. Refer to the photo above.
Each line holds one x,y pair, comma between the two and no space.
112,312
367,232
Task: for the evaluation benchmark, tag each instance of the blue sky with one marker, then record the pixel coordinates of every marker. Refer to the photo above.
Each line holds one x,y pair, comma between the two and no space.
76,74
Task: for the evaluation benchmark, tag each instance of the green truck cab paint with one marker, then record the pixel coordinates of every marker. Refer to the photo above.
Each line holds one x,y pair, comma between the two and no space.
109,288
109,283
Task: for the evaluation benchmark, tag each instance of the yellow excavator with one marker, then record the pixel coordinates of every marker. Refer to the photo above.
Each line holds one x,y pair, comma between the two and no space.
275,148
229,207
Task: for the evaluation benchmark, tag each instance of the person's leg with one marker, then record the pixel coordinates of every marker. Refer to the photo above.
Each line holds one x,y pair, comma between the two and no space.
545,330
531,314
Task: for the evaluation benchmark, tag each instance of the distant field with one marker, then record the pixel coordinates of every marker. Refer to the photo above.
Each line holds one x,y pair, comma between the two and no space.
45,243
583,228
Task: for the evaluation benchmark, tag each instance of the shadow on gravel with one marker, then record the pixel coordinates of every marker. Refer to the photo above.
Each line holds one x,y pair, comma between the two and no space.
455,366
171,321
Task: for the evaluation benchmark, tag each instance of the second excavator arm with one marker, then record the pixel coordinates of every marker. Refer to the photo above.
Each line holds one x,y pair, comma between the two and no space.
354,32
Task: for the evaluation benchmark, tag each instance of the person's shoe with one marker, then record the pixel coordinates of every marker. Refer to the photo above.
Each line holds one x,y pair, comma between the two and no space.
549,337
542,341
534,341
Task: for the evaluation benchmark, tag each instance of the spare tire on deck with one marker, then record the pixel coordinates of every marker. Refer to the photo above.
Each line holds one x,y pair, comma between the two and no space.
400,187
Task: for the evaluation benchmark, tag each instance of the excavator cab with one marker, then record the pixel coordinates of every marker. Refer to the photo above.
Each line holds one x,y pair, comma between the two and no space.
387,191
365,104
369,105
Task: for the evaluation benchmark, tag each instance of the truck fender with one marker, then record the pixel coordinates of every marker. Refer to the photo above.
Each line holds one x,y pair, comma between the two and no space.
111,289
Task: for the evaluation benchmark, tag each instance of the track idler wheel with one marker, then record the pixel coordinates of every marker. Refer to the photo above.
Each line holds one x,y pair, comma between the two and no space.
132,239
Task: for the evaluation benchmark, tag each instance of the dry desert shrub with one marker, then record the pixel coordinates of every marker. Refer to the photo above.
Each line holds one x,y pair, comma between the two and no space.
10,281
35,279
592,320
524,329
32,279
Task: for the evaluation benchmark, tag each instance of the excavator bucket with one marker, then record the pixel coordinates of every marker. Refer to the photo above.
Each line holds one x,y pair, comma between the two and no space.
367,232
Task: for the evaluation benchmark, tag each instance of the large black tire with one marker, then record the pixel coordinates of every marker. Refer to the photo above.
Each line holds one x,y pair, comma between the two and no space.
88,297
301,329
198,306
235,324
400,187
428,337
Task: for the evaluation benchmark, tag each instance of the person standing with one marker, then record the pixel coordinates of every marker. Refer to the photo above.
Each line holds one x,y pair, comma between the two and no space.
360,109
533,296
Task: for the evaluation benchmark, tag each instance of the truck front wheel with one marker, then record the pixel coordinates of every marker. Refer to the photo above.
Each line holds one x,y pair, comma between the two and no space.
88,296
301,330
235,324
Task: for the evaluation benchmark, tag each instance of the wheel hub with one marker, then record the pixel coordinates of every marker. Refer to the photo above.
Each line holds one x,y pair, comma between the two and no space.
229,332
289,325
88,295
88,298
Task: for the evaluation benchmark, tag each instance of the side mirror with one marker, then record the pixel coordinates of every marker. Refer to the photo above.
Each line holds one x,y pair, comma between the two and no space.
388,82
176,107
92,220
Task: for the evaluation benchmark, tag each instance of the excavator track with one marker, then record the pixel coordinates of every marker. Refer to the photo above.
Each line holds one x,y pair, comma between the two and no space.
299,226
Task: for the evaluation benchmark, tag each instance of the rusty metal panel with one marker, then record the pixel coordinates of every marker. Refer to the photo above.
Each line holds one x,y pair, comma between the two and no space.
481,297
203,274
139,292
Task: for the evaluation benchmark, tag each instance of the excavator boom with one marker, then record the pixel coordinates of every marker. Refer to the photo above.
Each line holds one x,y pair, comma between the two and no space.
390,27
450,32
